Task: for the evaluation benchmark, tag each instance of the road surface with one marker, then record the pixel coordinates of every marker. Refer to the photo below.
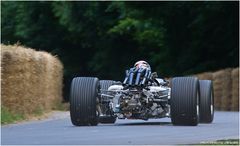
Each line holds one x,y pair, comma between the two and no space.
59,130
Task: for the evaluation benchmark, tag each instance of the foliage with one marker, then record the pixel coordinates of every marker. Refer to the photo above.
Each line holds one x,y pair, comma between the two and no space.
104,38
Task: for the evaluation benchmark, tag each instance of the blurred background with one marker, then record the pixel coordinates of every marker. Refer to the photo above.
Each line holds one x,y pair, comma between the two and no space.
103,39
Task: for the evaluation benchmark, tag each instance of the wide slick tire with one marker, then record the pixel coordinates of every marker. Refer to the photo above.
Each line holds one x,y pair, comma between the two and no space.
83,96
104,85
184,101
206,101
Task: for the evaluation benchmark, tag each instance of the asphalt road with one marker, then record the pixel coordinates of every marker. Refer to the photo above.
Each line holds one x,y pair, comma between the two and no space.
60,131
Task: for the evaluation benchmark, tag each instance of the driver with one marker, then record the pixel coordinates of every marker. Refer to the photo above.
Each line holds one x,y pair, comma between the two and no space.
139,74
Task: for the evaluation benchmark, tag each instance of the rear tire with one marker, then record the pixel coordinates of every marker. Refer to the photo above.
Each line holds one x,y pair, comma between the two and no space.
206,101
184,101
83,95
105,84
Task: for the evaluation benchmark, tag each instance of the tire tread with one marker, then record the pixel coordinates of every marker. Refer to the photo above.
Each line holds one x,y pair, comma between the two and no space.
206,90
83,95
184,93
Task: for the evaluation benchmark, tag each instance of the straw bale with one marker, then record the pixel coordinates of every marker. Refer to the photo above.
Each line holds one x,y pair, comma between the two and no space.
53,80
25,78
217,76
205,76
235,89
12,64
222,84
226,89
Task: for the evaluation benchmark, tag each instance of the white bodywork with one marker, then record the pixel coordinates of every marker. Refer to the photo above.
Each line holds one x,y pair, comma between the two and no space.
156,88
115,88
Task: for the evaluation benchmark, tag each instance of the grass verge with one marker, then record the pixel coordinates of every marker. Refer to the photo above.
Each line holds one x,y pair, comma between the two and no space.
8,117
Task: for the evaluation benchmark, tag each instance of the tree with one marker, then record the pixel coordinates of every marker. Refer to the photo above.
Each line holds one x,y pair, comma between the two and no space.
104,38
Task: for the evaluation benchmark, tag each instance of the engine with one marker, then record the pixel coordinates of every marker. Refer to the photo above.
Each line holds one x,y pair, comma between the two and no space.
135,103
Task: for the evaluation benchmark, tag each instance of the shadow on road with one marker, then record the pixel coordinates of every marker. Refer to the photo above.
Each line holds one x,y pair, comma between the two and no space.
143,123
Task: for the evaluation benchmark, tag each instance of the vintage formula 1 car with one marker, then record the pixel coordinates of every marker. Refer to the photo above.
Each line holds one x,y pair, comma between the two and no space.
142,95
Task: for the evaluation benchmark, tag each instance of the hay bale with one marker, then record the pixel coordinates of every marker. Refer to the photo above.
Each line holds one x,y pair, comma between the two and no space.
205,76
52,79
217,90
58,76
226,89
235,89
15,64
25,75
222,86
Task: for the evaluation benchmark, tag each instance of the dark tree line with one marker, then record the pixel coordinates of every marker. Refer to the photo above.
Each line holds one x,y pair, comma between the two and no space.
104,38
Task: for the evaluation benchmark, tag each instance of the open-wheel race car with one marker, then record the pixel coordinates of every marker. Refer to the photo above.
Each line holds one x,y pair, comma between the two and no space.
142,95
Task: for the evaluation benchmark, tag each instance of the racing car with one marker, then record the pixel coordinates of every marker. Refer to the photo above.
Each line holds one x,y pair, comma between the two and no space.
142,95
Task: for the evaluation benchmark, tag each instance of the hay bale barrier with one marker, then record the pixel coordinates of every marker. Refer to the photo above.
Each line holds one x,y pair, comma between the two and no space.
217,87
205,76
235,89
31,80
226,88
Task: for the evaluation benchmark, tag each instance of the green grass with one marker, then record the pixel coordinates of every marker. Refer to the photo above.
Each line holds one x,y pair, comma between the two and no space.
8,117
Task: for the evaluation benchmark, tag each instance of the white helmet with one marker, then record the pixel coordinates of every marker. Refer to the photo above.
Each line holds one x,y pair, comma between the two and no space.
142,64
